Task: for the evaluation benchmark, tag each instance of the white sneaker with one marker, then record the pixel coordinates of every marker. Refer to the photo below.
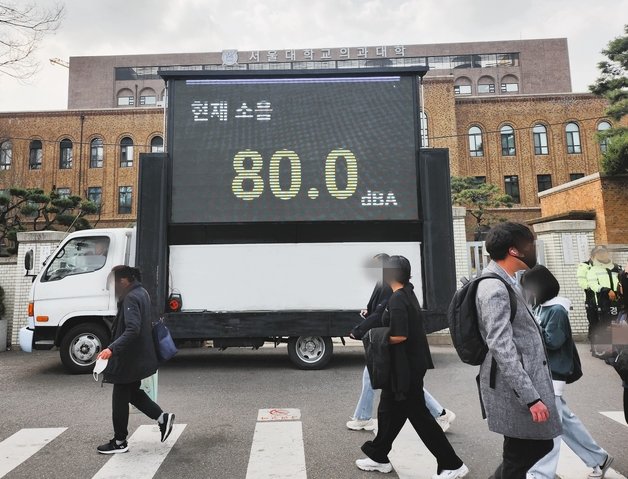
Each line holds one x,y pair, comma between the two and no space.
599,472
359,425
446,474
446,419
368,464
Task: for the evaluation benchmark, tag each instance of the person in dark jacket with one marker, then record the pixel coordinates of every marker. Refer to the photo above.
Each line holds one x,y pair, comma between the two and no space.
552,313
131,357
403,399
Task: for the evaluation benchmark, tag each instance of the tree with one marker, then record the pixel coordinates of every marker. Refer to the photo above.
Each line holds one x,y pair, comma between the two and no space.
478,198
22,28
613,85
31,209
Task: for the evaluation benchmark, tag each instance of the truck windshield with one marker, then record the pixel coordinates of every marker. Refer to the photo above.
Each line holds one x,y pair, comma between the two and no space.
78,256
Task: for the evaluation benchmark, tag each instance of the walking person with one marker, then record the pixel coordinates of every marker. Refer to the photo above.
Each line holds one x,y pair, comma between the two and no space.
552,313
515,381
131,357
402,398
362,418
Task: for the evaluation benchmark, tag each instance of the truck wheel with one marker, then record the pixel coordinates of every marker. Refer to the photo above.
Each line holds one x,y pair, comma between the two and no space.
81,345
310,352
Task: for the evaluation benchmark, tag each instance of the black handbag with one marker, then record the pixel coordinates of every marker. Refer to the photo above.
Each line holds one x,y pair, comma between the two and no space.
164,344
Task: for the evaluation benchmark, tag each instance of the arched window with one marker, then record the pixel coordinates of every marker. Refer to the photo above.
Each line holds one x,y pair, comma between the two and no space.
539,132
510,84
65,154
424,126
96,153
148,97
126,152
6,155
476,147
572,132
157,144
35,155
507,135
486,84
601,128
126,97
462,86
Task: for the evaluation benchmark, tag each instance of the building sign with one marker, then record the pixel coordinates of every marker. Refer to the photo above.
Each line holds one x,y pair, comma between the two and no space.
323,54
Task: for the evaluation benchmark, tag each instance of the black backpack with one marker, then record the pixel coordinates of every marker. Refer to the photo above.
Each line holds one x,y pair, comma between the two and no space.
464,323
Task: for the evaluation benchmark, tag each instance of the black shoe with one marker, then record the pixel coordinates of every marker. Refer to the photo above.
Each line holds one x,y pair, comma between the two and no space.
113,448
166,426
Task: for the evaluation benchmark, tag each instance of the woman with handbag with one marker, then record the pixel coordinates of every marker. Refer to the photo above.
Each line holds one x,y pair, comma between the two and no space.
131,357
552,314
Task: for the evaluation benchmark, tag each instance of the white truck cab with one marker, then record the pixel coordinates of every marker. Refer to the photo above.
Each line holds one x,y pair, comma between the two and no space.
72,301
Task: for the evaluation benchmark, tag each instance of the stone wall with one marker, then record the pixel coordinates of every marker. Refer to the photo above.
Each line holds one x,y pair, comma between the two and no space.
8,267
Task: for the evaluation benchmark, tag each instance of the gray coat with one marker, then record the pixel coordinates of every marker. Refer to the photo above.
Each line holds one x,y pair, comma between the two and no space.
523,374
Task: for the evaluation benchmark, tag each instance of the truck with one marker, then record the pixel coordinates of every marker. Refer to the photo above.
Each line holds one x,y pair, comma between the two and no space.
255,225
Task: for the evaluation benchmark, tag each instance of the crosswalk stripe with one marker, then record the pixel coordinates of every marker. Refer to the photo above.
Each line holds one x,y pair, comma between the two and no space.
17,448
277,451
615,416
146,453
410,457
570,466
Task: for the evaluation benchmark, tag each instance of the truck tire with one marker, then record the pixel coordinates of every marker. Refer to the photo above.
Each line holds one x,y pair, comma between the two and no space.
81,345
310,352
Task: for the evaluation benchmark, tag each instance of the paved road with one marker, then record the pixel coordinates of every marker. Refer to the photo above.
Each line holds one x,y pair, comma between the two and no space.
217,395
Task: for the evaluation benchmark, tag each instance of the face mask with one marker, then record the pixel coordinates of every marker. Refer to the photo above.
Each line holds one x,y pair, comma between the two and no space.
99,367
530,261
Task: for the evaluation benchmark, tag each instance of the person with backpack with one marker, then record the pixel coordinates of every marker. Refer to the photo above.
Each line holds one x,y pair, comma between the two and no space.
131,357
362,418
408,359
552,314
492,326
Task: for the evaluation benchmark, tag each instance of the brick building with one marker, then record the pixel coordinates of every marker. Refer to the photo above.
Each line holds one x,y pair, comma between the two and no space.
504,110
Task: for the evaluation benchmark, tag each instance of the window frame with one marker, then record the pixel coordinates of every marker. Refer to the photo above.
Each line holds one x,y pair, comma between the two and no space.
576,176
540,149
506,138
128,190
37,153
152,147
66,161
476,150
602,142
6,155
96,160
127,152
89,191
424,126
516,198
573,147
545,179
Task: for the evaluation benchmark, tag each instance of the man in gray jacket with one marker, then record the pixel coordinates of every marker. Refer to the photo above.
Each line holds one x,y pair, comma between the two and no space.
515,380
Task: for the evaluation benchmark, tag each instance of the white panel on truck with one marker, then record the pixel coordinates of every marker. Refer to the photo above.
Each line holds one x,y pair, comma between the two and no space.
280,277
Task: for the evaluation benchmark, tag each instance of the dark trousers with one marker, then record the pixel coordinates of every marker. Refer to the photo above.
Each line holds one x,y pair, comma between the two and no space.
520,455
392,415
125,394
626,401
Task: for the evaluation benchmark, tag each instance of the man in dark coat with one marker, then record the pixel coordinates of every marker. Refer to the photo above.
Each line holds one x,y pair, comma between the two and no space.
131,357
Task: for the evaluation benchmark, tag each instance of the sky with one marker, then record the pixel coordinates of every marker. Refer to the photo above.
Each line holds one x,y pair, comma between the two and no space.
115,27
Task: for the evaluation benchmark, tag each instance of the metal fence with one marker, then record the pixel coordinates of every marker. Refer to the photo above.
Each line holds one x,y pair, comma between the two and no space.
477,259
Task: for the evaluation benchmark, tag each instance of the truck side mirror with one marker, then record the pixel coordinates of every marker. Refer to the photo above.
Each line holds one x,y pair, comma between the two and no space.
28,260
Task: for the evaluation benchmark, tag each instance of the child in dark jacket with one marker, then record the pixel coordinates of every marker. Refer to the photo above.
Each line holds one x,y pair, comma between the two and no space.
552,314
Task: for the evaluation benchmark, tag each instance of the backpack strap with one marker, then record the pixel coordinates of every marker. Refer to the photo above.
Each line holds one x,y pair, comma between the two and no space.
513,312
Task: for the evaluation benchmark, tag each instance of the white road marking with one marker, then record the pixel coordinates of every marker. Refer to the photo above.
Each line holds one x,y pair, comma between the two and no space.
570,466
17,448
615,416
279,414
277,451
146,453
410,457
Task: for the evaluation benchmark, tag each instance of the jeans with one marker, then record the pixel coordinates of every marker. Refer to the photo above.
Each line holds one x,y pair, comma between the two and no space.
576,437
364,409
125,394
392,415
520,455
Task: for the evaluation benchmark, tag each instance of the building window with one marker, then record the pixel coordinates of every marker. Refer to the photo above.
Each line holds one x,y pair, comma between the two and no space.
507,134
510,84
157,144
148,97
462,86
94,194
63,192
96,153
575,176
572,131
479,180
539,132
126,152
601,128
511,184
486,85
125,200
424,137
543,182
65,154
35,155
6,155
126,97
476,147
